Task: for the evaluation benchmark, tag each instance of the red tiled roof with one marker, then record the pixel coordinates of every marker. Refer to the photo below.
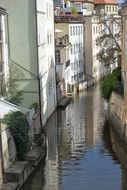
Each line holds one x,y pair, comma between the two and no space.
107,2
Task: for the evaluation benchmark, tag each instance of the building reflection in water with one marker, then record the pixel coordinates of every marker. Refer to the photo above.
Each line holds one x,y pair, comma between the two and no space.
77,138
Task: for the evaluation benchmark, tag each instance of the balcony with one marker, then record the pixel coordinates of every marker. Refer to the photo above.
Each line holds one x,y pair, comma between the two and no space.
69,18
62,41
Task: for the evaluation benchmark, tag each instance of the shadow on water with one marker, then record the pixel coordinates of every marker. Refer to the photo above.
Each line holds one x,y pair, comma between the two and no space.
120,149
106,135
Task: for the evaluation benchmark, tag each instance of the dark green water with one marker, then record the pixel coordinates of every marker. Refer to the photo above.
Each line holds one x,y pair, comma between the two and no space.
80,153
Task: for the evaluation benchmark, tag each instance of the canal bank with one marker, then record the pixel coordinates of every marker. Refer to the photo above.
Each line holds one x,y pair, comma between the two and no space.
117,115
79,149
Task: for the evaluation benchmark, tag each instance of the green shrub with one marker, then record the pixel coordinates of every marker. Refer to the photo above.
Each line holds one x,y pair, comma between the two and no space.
109,84
117,73
74,10
19,128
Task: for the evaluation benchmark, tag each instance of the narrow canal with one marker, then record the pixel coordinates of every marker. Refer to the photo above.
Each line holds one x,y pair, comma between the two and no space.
82,154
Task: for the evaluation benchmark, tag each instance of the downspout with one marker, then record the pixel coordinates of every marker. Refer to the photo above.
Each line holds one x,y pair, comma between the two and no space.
55,54
39,78
1,157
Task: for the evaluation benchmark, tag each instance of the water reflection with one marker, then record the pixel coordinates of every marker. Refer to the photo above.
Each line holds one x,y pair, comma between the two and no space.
79,151
120,149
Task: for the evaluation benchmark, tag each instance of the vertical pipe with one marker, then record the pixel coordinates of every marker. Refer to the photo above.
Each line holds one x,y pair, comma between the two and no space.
1,159
39,78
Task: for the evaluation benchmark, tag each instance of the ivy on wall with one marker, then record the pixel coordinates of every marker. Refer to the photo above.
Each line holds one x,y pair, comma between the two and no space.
19,127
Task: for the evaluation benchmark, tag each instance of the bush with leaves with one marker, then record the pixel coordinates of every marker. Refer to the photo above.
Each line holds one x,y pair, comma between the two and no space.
12,92
117,73
19,128
110,83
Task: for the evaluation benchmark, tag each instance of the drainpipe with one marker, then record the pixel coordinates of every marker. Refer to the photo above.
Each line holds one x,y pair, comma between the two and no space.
1,158
38,74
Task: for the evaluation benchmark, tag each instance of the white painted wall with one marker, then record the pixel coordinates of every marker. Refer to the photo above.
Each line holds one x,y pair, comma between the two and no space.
98,68
76,67
46,53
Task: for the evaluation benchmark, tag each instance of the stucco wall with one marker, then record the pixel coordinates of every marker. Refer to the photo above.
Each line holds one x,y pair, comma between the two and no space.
22,44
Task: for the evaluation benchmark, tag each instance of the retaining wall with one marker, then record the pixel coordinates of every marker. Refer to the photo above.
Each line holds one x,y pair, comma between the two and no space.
116,114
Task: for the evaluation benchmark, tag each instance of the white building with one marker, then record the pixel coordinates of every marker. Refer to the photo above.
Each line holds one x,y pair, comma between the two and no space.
93,68
31,50
46,51
74,72
83,7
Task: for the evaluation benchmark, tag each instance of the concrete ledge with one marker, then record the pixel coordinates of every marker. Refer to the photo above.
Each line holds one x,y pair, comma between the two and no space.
64,102
35,156
9,186
19,172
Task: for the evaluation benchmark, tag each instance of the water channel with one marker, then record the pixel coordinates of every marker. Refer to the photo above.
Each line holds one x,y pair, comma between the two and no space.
83,153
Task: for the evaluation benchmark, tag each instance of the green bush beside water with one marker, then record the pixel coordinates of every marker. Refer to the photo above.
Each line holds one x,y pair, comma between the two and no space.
111,82
19,128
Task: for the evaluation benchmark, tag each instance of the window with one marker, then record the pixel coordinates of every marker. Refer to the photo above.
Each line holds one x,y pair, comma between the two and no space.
71,66
48,38
74,65
76,48
76,30
71,31
79,64
106,8
81,30
94,29
57,56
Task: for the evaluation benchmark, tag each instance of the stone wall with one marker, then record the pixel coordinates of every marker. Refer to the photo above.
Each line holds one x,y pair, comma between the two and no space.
116,114
116,104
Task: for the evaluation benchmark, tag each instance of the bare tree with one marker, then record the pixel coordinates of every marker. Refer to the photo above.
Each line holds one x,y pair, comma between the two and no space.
109,41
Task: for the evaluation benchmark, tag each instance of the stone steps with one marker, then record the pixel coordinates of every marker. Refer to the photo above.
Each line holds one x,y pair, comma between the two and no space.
19,172
9,186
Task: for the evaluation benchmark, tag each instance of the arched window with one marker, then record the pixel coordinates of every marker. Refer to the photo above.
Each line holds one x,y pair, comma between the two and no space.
58,57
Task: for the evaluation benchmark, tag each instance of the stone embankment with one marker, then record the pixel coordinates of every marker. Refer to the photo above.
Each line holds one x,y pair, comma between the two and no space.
19,171
117,116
